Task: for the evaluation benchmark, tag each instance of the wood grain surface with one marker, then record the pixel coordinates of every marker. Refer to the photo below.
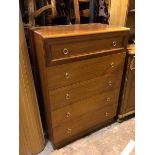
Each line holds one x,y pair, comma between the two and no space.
83,123
127,95
31,132
77,30
82,82
60,49
77,92
86,105
89,69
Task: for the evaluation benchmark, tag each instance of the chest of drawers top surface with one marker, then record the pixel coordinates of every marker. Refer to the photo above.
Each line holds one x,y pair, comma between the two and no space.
76,30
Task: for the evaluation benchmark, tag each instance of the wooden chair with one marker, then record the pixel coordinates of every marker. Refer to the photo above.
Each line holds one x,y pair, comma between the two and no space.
34,13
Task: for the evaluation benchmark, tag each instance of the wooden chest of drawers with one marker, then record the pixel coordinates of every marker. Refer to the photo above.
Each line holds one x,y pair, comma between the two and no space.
80,68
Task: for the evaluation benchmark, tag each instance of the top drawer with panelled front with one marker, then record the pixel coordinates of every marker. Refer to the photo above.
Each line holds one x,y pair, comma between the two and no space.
70,48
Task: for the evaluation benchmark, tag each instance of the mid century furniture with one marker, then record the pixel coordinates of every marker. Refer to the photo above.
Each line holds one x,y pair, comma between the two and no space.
127,95
31,135
80,68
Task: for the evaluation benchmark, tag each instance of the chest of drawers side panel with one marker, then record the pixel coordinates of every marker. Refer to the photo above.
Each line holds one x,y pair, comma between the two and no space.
39,51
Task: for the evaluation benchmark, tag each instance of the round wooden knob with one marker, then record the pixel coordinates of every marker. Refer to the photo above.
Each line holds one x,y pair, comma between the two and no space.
67,96
69,131
67,76
114,43
65,51
68,114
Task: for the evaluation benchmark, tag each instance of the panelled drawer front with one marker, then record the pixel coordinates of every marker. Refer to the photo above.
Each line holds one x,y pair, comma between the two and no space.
70,112
71,94
63,75
59,49
80,124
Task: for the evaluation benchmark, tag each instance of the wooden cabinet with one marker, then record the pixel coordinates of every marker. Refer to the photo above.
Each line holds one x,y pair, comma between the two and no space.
127,95
80,68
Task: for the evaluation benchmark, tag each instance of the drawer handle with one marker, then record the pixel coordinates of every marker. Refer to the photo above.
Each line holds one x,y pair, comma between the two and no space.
67,96
68,114
69,131
112,64
108,99
114,43
107,114
67,75
65,51
110,83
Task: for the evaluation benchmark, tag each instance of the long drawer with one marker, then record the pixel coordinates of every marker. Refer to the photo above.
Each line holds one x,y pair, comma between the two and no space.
59,49
70,128
70,112
73,93
66,74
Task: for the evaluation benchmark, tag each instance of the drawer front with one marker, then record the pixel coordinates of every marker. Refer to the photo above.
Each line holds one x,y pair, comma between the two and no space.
74,93
63,75
83,123
58,49
71,112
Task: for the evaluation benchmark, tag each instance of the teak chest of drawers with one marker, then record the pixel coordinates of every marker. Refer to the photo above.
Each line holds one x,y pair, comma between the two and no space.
80,68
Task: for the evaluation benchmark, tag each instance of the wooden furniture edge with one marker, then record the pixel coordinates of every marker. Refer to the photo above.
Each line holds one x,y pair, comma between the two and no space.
44,88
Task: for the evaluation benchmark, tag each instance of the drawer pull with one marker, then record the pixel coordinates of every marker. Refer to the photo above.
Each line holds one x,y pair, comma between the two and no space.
67,96
107,114
108,99
112,64
68,114
110,83
65,51
67,75
114,43
69,131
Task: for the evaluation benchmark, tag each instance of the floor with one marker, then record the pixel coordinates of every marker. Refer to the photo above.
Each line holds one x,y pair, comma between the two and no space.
115,139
